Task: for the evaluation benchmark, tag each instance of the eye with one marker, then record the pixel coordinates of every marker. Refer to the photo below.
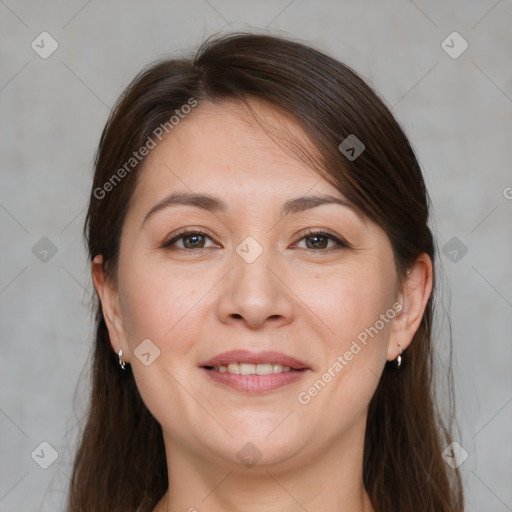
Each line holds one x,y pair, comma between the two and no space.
315,240
319,240
189,240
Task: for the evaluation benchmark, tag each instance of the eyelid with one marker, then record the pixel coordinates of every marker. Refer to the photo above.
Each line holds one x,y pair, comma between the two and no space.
338,240
182,232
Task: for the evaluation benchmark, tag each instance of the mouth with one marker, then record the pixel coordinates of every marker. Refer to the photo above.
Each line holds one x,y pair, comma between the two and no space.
252,369
254,373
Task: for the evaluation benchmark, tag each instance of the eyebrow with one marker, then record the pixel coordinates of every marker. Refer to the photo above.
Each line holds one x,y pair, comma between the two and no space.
214,204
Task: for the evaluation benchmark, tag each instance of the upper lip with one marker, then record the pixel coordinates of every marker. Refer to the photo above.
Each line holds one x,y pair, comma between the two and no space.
245,356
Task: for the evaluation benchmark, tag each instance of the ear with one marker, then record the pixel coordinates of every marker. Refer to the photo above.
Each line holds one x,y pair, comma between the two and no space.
414,296
109,299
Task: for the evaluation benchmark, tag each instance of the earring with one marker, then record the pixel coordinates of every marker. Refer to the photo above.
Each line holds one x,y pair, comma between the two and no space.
399,358
122,364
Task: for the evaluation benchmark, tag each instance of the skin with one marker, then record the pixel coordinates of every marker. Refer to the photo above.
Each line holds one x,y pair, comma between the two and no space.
307,302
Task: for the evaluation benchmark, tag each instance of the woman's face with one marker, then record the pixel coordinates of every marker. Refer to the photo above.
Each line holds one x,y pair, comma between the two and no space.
259,338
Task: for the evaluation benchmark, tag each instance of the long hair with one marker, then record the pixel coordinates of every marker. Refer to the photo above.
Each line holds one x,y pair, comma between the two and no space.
120,464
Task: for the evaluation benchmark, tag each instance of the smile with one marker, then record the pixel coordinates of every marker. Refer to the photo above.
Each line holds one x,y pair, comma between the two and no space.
254,373
251,369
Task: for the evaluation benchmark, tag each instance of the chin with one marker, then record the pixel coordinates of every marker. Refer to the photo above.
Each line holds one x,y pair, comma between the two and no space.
263,443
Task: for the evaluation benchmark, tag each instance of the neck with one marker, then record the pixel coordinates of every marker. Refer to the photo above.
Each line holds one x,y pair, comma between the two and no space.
332,481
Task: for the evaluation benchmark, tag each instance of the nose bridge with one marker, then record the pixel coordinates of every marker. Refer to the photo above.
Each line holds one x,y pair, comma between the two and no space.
250,250
252,260
252,292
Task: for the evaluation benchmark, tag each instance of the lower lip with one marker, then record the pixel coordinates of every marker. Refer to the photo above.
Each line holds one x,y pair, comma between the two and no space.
254,384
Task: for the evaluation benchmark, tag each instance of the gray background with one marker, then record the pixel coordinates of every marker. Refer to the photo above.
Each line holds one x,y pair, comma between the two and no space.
457,112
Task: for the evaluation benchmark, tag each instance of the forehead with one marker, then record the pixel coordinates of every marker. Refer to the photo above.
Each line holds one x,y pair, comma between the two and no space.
226,136
223,147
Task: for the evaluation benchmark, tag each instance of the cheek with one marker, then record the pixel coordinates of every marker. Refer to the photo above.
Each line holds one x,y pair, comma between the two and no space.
356,306
164,308
350,301
155,298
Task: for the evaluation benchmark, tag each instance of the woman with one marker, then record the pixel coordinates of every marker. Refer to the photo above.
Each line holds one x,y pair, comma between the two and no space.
260,250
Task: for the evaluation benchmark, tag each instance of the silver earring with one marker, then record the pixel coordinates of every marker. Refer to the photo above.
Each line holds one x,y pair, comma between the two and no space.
122,364
399,358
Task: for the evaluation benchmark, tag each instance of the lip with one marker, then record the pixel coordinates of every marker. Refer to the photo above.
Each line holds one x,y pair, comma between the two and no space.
255,384
245,356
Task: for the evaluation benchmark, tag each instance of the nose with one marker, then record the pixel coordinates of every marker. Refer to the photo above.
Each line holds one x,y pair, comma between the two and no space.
255,294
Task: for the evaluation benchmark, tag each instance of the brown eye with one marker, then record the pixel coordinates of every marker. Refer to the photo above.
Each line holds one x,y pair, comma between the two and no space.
194,241
187,240
320,241
316,242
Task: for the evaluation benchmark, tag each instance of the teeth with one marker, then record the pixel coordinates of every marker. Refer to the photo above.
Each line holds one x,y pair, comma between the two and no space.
247,369
265,369
252,369
234,368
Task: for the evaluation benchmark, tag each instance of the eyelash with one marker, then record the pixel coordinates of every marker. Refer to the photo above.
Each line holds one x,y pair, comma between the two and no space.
340,243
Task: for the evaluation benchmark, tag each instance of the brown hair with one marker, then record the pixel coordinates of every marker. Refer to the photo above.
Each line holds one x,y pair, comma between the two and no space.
120,465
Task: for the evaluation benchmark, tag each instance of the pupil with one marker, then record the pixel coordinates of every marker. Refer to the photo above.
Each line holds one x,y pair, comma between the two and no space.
322,239
194,239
